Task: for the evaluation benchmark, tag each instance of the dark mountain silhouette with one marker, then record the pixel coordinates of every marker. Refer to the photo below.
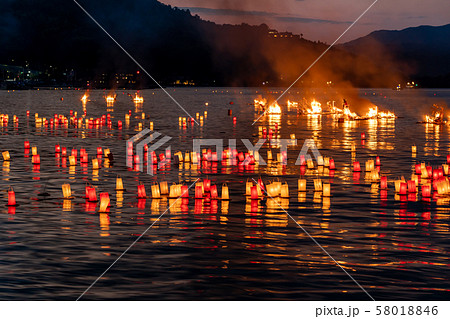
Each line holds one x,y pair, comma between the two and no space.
423,52
60,40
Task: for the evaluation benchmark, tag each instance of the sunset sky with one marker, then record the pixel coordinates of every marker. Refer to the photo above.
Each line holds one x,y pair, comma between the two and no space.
322,20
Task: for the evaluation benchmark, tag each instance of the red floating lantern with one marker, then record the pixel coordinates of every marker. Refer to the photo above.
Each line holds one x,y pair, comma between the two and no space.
26,145
403,188
84,158
207,185
92,195
74,153
411,186
57,148
418,169
87,188
11,197
198,192
63,152
332,166
363,136
356,167
377,161
383,182
214,193
141,191
99,151
426,191
448,159
254,192
184,191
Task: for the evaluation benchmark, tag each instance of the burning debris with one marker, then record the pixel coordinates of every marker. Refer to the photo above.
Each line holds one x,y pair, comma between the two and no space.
436,117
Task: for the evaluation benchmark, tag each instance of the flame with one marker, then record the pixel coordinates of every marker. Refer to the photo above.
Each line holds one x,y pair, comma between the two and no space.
138,99
274,108
349,114
84,99
316,108
260,102
374,113
292,104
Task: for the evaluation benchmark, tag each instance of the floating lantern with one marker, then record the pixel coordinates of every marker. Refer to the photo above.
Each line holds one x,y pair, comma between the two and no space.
225,192
155,191
11,197
383,182
411,186
95,165
104,202
326,190
198,192
141,191
214,193
185,191
34,150
418,169
269,155
403,188
284,191
363,136
302,185
26,145
320,161
164,188
92,195
206,185
67,192
429,171
413,150
310,164
175,191
426,191
356,167
318,185
72,161
57,148
370,166
254,192
84,158
6,156
448,159
119,184
99,151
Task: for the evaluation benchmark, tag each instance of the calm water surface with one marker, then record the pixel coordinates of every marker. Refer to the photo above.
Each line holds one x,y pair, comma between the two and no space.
53,249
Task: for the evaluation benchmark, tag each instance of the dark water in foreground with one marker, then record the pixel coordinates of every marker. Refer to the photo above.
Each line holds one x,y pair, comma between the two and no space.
53,249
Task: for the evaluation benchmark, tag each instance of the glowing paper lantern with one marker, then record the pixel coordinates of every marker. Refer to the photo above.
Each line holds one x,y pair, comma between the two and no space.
104,202
426,191
302,185
185,191
34,150
356,167
206,185
72,161
164,188
411,186
6,156
198,192
248,186
320,161
11,197
225,192
95,164
403,188
284,193
318,185
326,190
92,195
214,193
155,191
310,164
26,145
67,192
141,191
